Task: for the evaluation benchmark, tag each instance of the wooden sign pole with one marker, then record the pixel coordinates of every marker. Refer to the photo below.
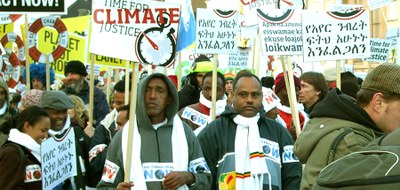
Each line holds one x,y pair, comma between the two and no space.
27,57
132,120
91,90
47,73
214,87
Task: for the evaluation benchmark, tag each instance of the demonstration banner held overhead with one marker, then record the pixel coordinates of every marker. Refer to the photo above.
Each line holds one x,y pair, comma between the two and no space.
146,31
33,6
335,35
280,31
216,31
379,50
58,159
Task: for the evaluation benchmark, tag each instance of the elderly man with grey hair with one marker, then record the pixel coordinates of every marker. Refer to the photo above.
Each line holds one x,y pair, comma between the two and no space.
56,103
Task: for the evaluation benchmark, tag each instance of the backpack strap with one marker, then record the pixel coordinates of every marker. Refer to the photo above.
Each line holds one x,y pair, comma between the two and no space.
332,148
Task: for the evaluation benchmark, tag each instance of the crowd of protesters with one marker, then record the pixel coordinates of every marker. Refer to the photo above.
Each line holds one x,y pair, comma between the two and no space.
176,144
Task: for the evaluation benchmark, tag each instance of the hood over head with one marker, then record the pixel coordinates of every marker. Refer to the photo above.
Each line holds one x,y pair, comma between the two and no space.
171,109
338,105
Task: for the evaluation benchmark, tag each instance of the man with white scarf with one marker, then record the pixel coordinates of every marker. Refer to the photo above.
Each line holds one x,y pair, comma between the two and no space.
244,149
197,115
165,151
56,104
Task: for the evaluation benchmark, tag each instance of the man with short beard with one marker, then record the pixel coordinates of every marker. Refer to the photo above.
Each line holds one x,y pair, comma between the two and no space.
75,83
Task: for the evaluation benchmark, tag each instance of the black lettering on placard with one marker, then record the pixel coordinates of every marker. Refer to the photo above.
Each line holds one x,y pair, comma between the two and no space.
120,29
350,39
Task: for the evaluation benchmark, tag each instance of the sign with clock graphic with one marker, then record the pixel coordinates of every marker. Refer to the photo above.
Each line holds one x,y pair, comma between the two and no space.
135,30
216,31
280,31
336,35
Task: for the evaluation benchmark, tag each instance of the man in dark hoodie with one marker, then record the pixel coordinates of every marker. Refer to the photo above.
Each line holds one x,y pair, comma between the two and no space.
376,111
244,149
165,151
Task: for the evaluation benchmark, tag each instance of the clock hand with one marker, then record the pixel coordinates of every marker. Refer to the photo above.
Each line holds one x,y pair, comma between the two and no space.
287,2
155,46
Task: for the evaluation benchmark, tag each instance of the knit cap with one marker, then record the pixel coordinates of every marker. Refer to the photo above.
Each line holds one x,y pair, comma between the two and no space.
280,82
229,76
202,64
384,78
31,98
75,67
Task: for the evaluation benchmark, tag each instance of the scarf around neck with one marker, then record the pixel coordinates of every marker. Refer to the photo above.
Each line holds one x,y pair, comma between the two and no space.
250,163
220,104
180,154
27,141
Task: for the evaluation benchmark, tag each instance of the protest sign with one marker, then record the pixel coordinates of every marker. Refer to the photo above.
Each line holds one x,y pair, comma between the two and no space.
393,34
379,50
376,4
335,35
145,30
345,7
270,99
216,31
4,29
9,18
249,8
58,159
239,59
280,33
33,6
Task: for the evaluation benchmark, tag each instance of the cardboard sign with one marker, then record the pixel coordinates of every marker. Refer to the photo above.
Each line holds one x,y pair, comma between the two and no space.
216,31
379,50
239,59
141,31
33,6
58,159
280,34
270,99
345,7
376,4
335,35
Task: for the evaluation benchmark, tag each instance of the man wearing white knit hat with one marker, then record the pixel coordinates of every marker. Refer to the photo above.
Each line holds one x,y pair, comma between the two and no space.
244,149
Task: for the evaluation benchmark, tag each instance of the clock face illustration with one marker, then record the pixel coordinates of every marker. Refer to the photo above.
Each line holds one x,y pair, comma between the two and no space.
291,4
346,15
276,16
156,45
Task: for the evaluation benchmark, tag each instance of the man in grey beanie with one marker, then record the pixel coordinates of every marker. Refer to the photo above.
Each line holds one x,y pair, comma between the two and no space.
56,104
75,83
338,126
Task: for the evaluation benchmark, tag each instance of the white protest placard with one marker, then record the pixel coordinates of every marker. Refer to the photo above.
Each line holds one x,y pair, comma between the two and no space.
335,35
376,4
345,7
239,59
280,33
270,99
216,31
58,159
247,31
249,8
141,31
393,34
379,50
